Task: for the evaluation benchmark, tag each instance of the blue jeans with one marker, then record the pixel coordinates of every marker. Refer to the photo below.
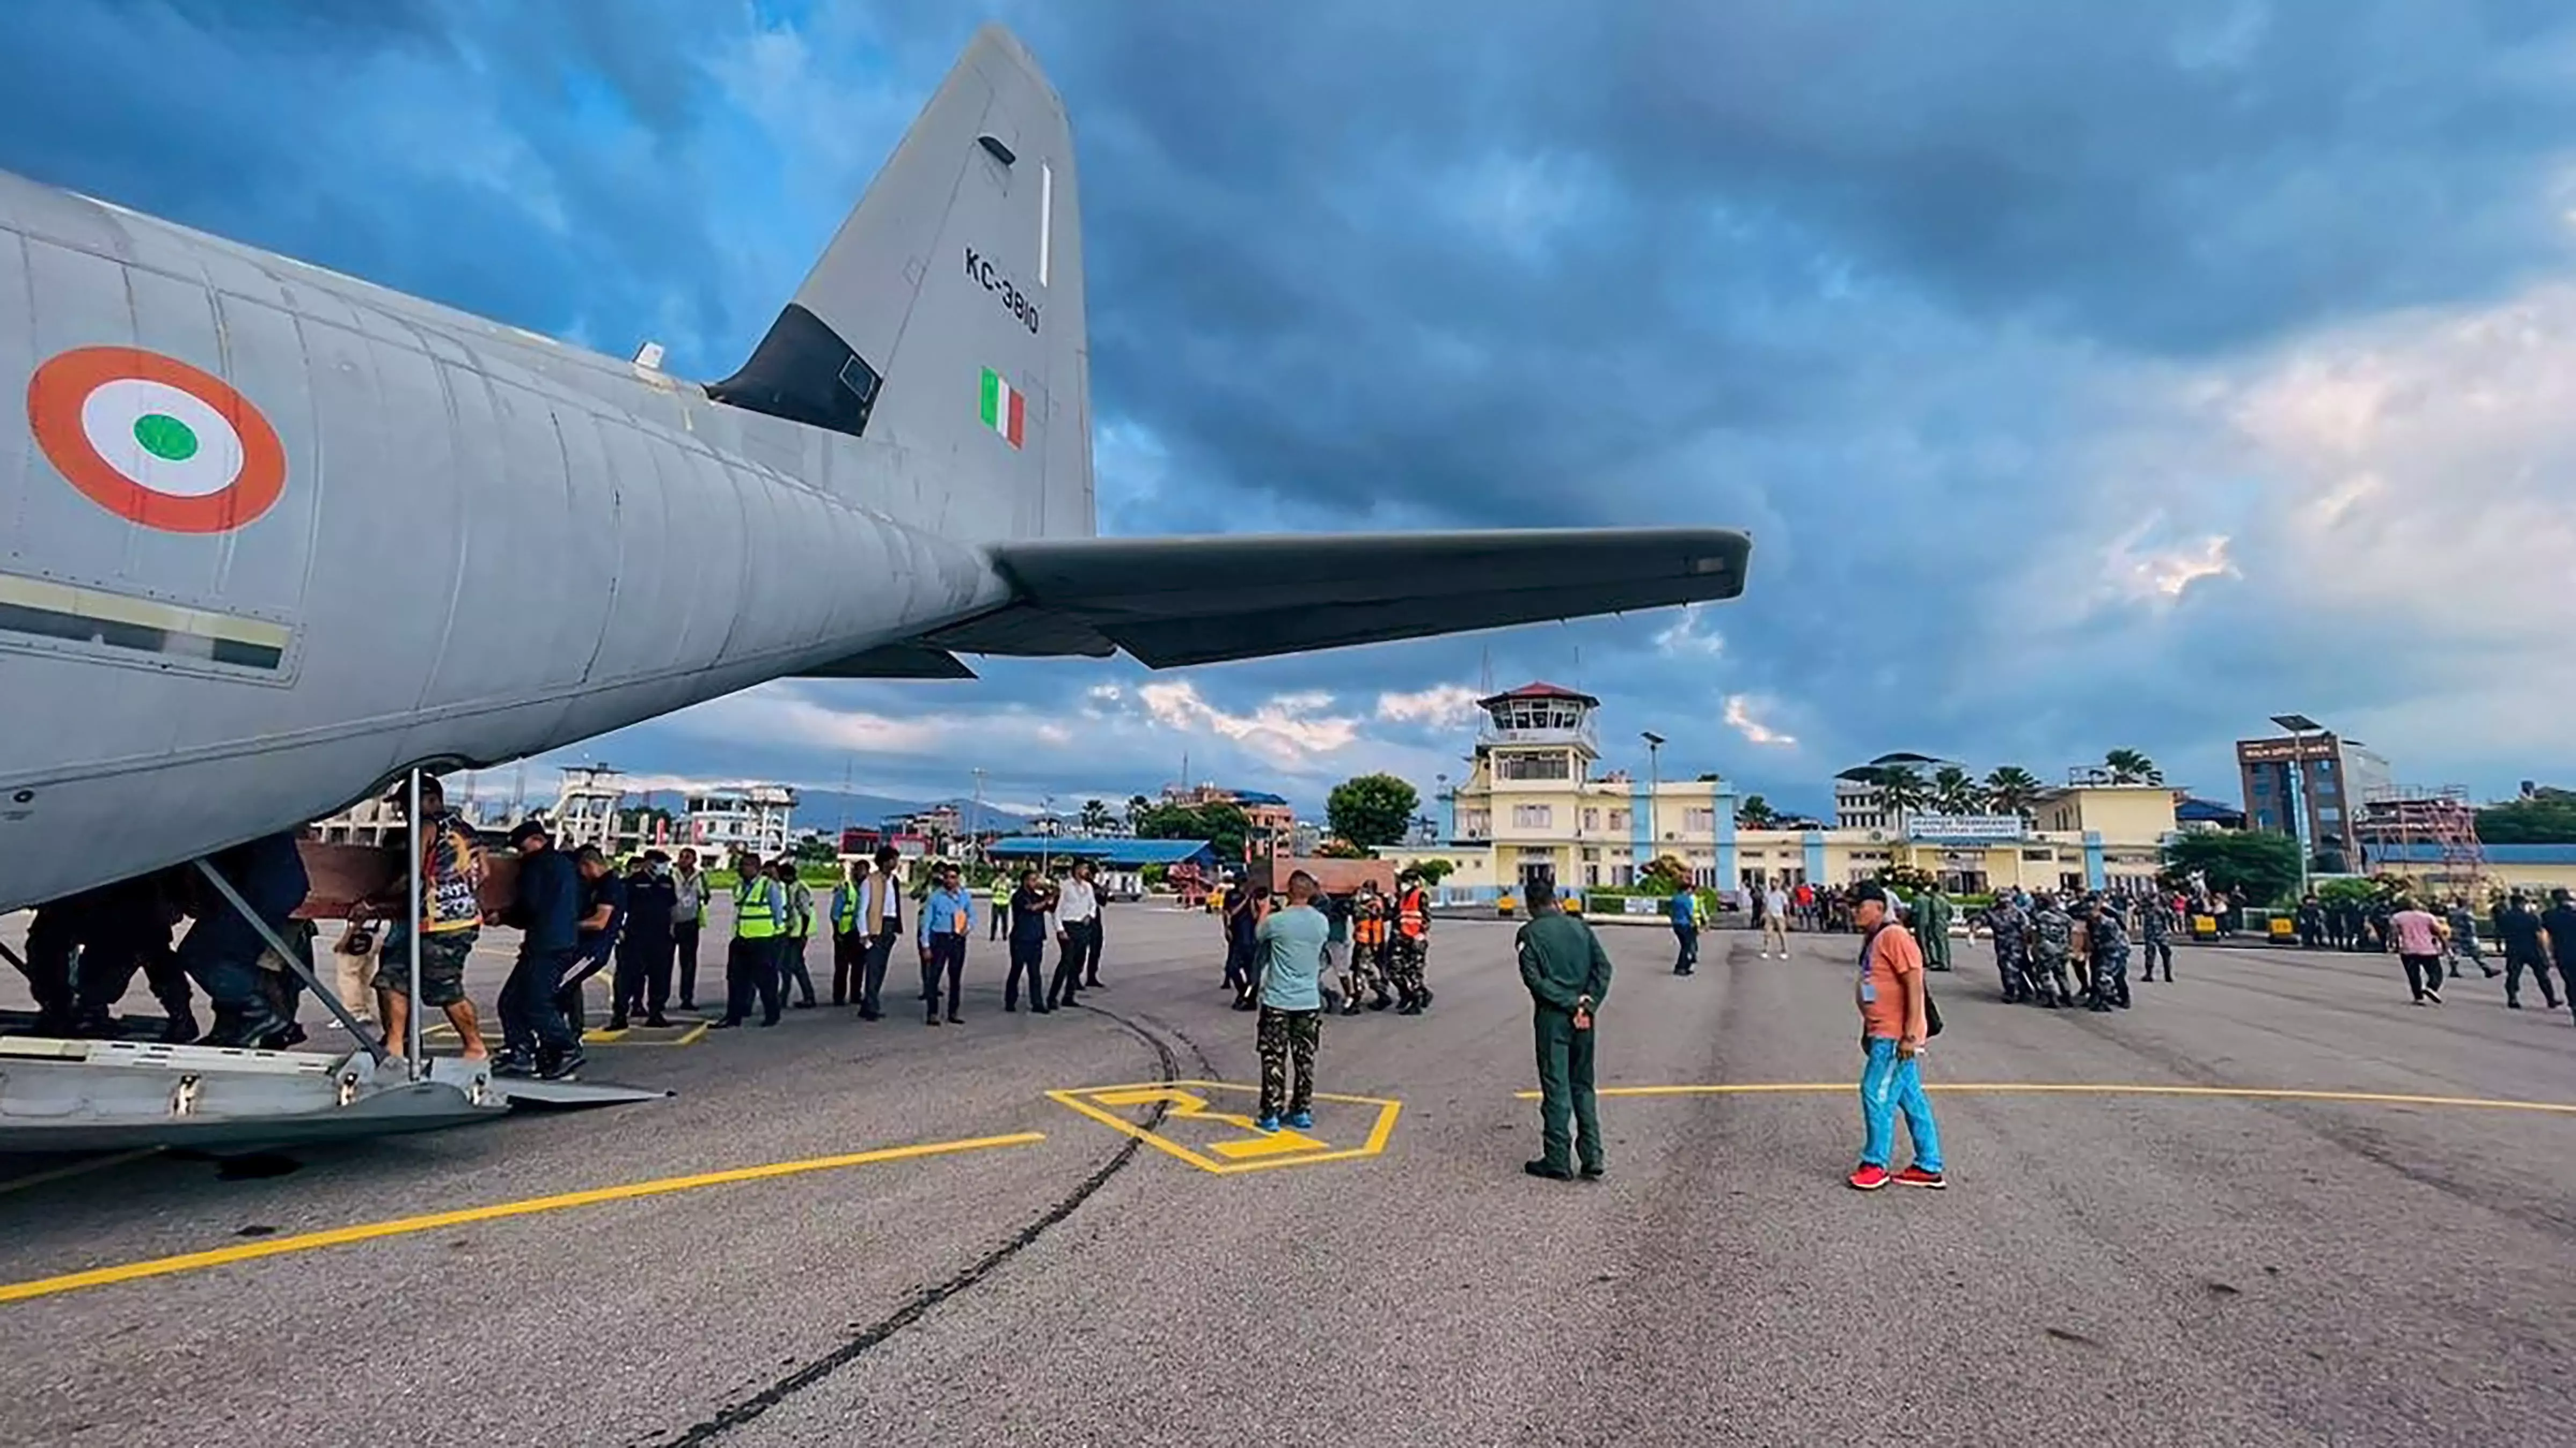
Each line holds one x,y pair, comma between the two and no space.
1888,1085
1687,938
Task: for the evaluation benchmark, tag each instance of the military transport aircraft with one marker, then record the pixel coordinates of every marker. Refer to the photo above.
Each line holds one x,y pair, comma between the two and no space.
275,536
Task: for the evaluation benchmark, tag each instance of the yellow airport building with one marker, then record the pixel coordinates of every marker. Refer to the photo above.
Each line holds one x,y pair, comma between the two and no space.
1532,799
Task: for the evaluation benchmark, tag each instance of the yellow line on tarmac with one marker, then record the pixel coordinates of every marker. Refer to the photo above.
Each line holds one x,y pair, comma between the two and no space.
369,1231
2258,1093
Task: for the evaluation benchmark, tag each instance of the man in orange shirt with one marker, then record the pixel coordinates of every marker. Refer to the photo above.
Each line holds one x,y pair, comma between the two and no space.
1894,1021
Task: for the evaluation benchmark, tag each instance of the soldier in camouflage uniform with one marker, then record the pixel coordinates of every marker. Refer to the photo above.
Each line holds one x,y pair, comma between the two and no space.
2110,984
2052,939
1352,969
1409,944
2155,924
2011,930
1370,928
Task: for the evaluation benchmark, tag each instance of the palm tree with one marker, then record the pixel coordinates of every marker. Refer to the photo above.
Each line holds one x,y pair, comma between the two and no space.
1954,791
2012,789
2128,766
1756,813
1095,817
1902,790
1137,804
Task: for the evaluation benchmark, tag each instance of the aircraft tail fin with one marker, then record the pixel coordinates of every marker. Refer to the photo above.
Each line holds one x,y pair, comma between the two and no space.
946,316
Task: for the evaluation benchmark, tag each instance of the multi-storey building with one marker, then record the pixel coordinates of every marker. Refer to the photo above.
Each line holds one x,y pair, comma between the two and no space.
1532,798
590,810
758,818
1272,819
2313,786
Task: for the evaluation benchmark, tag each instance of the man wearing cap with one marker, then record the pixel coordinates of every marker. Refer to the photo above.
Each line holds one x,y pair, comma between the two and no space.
1894,1021
546,907
1568,976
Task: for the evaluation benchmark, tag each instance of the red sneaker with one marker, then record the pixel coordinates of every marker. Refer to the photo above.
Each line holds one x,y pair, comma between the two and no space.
1915,1176
1869,1178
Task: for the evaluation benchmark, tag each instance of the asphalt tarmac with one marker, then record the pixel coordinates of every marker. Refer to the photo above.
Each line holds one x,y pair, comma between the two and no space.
2106,1268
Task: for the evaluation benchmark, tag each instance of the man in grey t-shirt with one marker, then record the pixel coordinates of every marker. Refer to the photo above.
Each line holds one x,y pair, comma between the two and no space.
1290,948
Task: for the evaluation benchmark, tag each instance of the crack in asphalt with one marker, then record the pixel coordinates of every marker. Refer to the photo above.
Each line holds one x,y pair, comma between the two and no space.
735,1415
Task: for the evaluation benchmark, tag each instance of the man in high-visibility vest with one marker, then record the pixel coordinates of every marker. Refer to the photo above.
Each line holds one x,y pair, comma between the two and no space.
799,905
1412,945
1368,945
751,963
849,942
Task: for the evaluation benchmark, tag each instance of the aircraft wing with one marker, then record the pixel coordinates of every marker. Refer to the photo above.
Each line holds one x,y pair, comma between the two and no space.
1199,600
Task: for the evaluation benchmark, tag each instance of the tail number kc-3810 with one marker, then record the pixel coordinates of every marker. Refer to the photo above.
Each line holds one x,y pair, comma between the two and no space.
1014,301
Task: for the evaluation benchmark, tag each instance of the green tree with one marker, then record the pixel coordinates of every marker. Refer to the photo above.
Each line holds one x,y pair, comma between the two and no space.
1434,871
1902,790
1756,813
2538,821
1665,873
2011,789
1371,810
1137,804
1224,826
820,850
2254,868
1954,791
1094,818
2128,766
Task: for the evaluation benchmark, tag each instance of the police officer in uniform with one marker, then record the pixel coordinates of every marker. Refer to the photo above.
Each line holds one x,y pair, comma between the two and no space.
2052,940
2011,931
644,955
2525,948
2110,941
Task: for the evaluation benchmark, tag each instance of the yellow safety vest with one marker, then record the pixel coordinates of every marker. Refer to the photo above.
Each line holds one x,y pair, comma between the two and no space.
845,909
756,909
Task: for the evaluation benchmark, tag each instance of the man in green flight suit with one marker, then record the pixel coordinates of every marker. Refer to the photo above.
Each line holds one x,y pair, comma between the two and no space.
1568,975
1932,915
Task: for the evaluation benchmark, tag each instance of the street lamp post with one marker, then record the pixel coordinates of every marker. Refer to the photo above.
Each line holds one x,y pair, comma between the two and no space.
2300,725
1654,782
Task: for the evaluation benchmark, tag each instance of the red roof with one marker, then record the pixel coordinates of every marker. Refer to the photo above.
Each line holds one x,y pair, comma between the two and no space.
1540,689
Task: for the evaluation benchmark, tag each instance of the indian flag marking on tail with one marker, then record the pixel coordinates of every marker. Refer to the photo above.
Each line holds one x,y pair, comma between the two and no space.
1005,408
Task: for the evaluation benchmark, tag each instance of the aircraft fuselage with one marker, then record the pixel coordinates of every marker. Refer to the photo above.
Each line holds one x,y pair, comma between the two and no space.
479,544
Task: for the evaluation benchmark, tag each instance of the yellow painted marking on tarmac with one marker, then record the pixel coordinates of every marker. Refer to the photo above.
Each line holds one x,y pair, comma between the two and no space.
1246,1148
370,1231
2078,1088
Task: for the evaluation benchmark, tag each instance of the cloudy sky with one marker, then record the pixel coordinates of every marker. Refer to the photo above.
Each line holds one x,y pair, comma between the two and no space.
2087,375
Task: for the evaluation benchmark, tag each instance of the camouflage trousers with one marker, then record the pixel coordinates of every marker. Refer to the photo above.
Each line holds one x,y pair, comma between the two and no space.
2011,963
1354,972
2110,982
1287,1040
2048,975
1405,957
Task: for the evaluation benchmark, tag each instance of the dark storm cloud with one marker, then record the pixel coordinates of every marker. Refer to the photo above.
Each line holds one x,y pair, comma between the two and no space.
1879,282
